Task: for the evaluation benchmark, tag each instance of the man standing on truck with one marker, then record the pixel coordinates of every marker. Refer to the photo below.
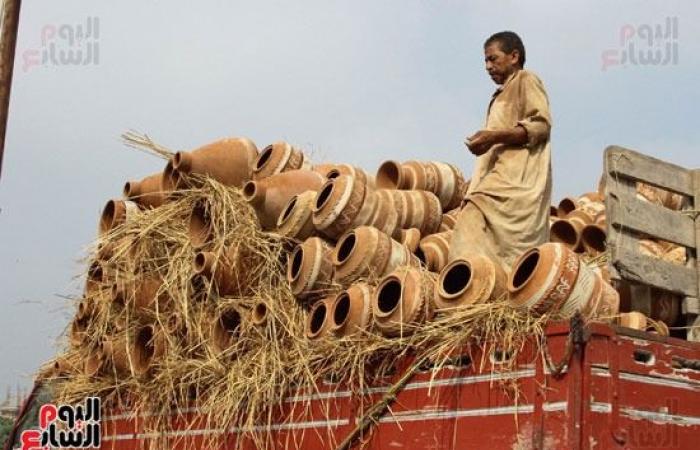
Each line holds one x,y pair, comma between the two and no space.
506,208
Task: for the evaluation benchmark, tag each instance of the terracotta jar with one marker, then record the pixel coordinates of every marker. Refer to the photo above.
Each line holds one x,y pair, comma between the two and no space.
94,361
143,293
171,180
593,239
346,169
310,268
225,331
403,300
148,192
65,366
449,220
115,213
443,180
229,161
389,212
200,227
277,158
116,353
420,210
553,212
591,204
260,314
469,281
434,249
351,311
78,332
410,239
366,252
270,195
318,321
296,219
552,278
568,230
148,349
566,205
338,205
229,270
96,279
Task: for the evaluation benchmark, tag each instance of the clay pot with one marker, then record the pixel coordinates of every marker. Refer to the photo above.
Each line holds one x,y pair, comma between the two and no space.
96,279
142,293
200,227
659,196
591,204
94,361
568,230
346,169
115,213
147,349
225,330
389,212
338,205
351,311
443,180
170,179
260,314
147,192
366,252
277,158
449,220
229,161
566,205
403,300
116,353
77,334
593,239
310,268
552,278
229,271
666,306
65,366
634,320
433,250
270,195
296,220
319,321
463,282
553,211
420,210
410,239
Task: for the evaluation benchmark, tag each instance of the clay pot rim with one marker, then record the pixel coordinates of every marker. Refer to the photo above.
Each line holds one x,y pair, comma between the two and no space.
310,334
203,263
597,231
444,273
341,296
288,211
258,317
532,253
340,247
565,223
221,332
324,194
144,349
388,175
377,311
109,215
263,158
292,274
199,214
250,189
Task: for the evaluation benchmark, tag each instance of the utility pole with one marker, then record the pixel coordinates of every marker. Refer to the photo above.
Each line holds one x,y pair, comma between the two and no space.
8,42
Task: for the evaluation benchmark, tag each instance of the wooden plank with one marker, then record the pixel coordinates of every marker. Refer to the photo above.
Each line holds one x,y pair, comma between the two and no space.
8,42
616,239
650,219
625,163
690,305
638,268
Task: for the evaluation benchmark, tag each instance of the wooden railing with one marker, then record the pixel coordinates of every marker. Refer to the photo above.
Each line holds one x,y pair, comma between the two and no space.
630,218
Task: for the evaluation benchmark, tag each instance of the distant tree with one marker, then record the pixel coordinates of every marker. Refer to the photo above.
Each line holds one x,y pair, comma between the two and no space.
5,430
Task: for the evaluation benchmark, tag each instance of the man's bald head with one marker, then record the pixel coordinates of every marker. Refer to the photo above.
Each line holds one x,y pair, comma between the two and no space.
508,43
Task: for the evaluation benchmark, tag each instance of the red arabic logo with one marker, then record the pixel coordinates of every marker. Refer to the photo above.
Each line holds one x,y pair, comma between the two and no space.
65,426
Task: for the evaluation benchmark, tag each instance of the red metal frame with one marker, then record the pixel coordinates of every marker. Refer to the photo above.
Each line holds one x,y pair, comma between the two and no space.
620,389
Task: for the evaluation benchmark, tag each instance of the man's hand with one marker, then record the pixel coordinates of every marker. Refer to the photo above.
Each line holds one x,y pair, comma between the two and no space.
481,141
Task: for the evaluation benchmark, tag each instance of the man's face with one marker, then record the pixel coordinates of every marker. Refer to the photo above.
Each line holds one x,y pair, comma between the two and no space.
500,65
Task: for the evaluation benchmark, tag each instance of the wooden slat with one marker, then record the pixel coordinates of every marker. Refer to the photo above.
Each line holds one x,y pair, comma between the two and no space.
638,268
691,305
616,239
625,163
654,220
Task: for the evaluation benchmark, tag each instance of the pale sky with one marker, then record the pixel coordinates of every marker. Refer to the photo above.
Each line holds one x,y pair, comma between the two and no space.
349,81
